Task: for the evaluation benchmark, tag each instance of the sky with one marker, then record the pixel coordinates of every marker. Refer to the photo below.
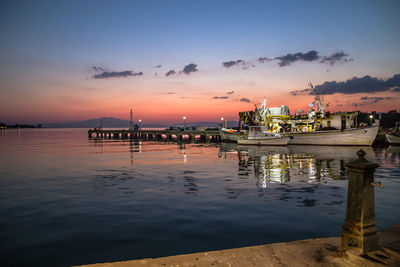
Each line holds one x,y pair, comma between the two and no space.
63,61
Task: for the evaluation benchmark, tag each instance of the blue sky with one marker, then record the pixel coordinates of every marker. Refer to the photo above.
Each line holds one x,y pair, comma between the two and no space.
45,43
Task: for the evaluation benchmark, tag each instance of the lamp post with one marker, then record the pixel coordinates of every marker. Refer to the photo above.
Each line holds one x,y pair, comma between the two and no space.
222,121
184,123
140,124
371,116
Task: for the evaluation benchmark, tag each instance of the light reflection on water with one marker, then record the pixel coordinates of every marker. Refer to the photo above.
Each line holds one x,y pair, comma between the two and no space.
66,199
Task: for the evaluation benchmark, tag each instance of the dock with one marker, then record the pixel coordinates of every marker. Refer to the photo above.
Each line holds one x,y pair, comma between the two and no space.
157,135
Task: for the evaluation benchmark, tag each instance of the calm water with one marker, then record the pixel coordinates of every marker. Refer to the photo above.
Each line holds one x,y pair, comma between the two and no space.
67,200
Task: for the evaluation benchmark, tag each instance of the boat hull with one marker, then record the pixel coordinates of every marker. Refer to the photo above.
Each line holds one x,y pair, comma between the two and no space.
265,142
230,136
393,140
347,137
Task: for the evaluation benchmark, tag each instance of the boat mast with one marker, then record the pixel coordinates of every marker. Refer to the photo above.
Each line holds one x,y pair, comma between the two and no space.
318,101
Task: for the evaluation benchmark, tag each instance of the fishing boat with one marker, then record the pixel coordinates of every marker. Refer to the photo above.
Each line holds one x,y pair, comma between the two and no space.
259,135
346,137
393,137
317,127
231,135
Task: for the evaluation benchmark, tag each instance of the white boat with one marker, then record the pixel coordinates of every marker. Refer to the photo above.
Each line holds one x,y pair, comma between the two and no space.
230,135
347,137
394,137
259,135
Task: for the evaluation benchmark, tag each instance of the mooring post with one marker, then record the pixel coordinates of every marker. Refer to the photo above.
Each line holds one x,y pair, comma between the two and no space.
359,230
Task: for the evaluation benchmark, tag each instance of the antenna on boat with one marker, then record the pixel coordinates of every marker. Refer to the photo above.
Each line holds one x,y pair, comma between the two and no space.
318,100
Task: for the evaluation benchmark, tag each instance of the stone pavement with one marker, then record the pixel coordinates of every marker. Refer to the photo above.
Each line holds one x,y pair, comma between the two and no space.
309,252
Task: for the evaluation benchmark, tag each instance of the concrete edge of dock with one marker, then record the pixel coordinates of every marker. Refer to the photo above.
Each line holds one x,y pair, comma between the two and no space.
309,252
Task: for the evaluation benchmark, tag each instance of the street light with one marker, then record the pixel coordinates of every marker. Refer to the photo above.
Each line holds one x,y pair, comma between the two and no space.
371,116
222,121
184,123
140,124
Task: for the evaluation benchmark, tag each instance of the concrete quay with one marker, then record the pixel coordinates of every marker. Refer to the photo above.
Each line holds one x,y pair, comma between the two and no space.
309,252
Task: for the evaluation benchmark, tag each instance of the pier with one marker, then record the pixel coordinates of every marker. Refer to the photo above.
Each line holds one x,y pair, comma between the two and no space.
157,135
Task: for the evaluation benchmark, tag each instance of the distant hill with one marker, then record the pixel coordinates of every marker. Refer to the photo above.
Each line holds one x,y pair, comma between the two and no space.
110,122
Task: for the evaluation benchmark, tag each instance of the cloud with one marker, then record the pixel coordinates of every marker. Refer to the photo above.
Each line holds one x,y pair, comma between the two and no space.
230,92
220,97
300,92
369,100
394,81
374,99
290,58
171,93
115,74
171,72
158,66
190,68
99,69
229,64
366,84
264,59
245,100
336,57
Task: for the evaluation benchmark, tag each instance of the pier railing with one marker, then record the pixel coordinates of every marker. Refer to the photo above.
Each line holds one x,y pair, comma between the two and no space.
166,135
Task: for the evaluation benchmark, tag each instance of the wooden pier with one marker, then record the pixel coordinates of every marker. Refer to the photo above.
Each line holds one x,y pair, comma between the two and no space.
157,135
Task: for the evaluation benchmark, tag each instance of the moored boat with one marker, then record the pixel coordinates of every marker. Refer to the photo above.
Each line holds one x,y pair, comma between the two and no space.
347,137
259,135
231,135
392,139
393,136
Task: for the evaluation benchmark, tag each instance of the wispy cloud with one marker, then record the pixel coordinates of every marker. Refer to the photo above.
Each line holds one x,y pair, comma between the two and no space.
230,92
171,72
300,92
264,59
99,69
336,57
115,74
220,97
245,100
158,66
374,99
291,58
232,63
190,68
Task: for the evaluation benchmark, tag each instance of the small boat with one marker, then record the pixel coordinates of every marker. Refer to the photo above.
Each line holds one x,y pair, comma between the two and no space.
259,135
392,139
231,135
394,136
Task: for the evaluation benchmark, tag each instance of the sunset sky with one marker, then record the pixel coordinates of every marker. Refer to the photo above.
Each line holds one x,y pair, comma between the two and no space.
64,61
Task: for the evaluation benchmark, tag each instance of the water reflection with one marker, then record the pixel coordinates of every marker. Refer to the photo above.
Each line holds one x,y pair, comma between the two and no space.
182,148
310,164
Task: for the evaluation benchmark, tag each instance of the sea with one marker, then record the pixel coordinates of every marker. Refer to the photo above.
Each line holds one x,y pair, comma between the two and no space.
66,199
